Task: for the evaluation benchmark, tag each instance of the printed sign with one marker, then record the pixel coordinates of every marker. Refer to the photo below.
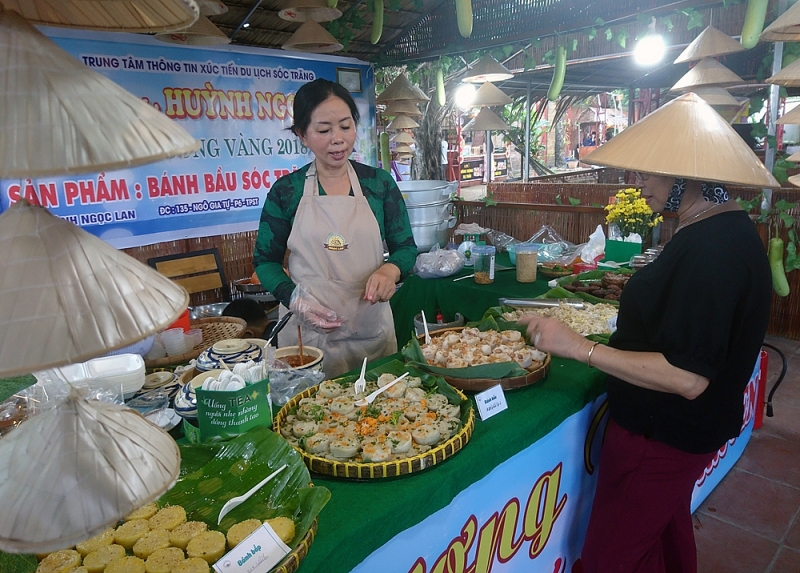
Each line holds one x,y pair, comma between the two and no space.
258,553
491,402
236,101
228,414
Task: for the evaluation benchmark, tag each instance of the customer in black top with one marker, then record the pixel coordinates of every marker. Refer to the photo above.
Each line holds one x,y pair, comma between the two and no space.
689,331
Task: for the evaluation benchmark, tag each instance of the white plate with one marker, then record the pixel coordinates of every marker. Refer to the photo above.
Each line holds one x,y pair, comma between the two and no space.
166,419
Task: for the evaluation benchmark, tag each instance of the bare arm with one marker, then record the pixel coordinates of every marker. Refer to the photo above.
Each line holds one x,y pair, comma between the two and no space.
644,369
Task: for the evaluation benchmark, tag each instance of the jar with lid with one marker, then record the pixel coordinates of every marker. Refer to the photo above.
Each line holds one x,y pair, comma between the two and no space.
483,257
527,255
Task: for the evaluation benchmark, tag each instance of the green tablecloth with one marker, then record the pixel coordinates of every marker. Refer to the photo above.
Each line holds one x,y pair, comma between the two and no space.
449,296
362,516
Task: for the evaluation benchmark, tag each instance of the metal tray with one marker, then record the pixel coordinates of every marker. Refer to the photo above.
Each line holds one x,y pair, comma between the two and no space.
541,302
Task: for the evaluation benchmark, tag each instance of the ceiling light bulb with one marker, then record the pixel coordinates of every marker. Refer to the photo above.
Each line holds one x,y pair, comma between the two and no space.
649,50
246,25
465,95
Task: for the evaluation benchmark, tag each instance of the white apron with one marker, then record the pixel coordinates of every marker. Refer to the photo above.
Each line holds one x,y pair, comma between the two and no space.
335,245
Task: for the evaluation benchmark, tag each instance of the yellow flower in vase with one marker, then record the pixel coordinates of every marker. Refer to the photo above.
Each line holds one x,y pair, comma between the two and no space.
631,214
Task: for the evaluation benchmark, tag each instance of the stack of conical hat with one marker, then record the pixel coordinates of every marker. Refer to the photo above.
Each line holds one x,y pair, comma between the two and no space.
721,100
401,89
402,137
786,28
711,42
685,138
486,120
401,121
707,72
489,95
788,76
202,33
487,69
403,148
311,37
405,107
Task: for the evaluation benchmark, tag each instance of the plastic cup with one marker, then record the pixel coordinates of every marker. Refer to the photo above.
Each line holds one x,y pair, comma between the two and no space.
174,341
195,336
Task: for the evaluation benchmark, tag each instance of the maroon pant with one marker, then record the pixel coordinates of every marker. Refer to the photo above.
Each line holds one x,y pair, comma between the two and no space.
641,520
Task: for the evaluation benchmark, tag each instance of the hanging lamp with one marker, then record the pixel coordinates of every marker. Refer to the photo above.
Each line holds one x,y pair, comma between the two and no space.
487,69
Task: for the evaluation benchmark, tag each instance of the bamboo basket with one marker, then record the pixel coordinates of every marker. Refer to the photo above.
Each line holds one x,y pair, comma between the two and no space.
481,384
214,329
292,561
364,471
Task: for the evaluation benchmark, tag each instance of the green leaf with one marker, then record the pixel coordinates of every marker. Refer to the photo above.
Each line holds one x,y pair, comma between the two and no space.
549,57
784,205
507,50
772,141
558,200
622,37
758,130
592,34
666,21
782,92
750,205
574,201
792,260
695,19
600,22
536,42
574,44
17,563
609,34
529,62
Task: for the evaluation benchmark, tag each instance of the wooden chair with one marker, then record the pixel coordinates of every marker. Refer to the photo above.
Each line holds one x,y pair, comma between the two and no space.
196,271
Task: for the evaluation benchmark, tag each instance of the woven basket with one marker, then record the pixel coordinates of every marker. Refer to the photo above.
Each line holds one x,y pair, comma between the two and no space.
214,329
481,384
364,471
292,561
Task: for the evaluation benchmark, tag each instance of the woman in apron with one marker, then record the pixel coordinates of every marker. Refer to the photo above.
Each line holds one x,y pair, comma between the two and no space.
332,216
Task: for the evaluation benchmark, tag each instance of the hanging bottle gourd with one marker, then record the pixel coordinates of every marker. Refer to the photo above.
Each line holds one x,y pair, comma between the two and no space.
440,94
753,22
559,72
377,21
386,157
464,17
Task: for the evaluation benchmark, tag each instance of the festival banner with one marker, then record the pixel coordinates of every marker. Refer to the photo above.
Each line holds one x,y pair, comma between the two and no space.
236,101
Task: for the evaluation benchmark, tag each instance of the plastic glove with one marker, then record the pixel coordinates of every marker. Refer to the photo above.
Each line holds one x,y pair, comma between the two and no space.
313,313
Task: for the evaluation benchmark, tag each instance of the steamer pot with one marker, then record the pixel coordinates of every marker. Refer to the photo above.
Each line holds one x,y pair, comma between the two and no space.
429,212
426,191
428,234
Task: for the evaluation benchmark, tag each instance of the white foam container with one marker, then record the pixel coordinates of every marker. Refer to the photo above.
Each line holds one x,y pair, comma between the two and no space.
125,372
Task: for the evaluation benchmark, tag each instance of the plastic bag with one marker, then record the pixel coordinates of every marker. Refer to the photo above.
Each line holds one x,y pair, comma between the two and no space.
553,248
438,263
500,240
594,249
285,383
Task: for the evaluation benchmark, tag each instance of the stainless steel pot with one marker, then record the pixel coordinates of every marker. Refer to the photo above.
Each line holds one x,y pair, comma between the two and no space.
435,212
426,191
428,234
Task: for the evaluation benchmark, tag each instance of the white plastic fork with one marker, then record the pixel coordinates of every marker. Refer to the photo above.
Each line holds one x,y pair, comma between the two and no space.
371,398
425,326
361,383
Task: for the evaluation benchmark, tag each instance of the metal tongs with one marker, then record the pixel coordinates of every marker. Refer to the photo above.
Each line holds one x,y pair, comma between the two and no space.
541,302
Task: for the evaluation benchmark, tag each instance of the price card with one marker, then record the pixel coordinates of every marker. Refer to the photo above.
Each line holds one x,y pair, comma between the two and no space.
258,553
612,324
491,402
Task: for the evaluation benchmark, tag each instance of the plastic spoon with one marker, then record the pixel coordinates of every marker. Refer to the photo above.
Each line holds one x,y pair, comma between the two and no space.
239,500
425,326
371,398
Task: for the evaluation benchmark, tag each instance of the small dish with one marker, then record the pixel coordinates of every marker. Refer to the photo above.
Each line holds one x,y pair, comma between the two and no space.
186,402
229,352
158,379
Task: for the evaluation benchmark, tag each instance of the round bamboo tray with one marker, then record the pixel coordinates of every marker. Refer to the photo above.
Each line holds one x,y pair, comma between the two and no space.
214,329
481,384
292,561
365,471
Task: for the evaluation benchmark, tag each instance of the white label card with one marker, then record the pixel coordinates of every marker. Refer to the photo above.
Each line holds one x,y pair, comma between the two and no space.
612,324
491,402
259,553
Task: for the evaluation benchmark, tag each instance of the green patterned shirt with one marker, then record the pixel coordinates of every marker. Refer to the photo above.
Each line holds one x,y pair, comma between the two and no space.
280,208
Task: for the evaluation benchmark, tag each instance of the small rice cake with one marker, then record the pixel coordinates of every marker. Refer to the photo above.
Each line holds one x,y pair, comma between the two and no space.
191,565
183,534
96,542
209,545
98,560
144,512
283,527
60,562
80,569
126,565
168,517
239,531
151,541
130,532
163,560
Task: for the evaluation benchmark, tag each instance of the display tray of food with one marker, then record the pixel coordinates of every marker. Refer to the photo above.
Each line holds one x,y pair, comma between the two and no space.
593,286
552,270
475,358
179,532
588,320
415,424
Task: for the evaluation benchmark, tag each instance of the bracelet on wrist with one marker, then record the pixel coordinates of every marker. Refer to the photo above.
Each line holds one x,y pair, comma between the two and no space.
589,356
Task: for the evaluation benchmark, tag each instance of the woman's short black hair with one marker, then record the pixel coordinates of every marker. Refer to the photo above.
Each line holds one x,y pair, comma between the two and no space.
311,95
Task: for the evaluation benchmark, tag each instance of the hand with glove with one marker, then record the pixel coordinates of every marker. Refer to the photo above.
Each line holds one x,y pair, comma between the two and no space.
312,312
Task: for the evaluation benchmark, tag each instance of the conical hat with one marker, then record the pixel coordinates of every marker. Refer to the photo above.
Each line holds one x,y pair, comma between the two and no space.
487,69
201,33
788,76
785,28
406,107
685,138
403,148
212,7
794,179
59,117
716,96
401,89
711,42
305,10
74,470
489,94
402,137
486,120
140,16
707,72
401,121
791,117
311,37
67,296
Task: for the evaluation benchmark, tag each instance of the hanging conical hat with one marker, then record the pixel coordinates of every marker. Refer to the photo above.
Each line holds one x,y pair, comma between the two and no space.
788,76
685,138
489,94
402,137
711,42
406,107
794,158
706,73
401,89
59,117
790,118
716,96
67,296
401,121
785,28
212,7
311,37
140,16
201,33
486,120
305,10
487,69
74,470
403,148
